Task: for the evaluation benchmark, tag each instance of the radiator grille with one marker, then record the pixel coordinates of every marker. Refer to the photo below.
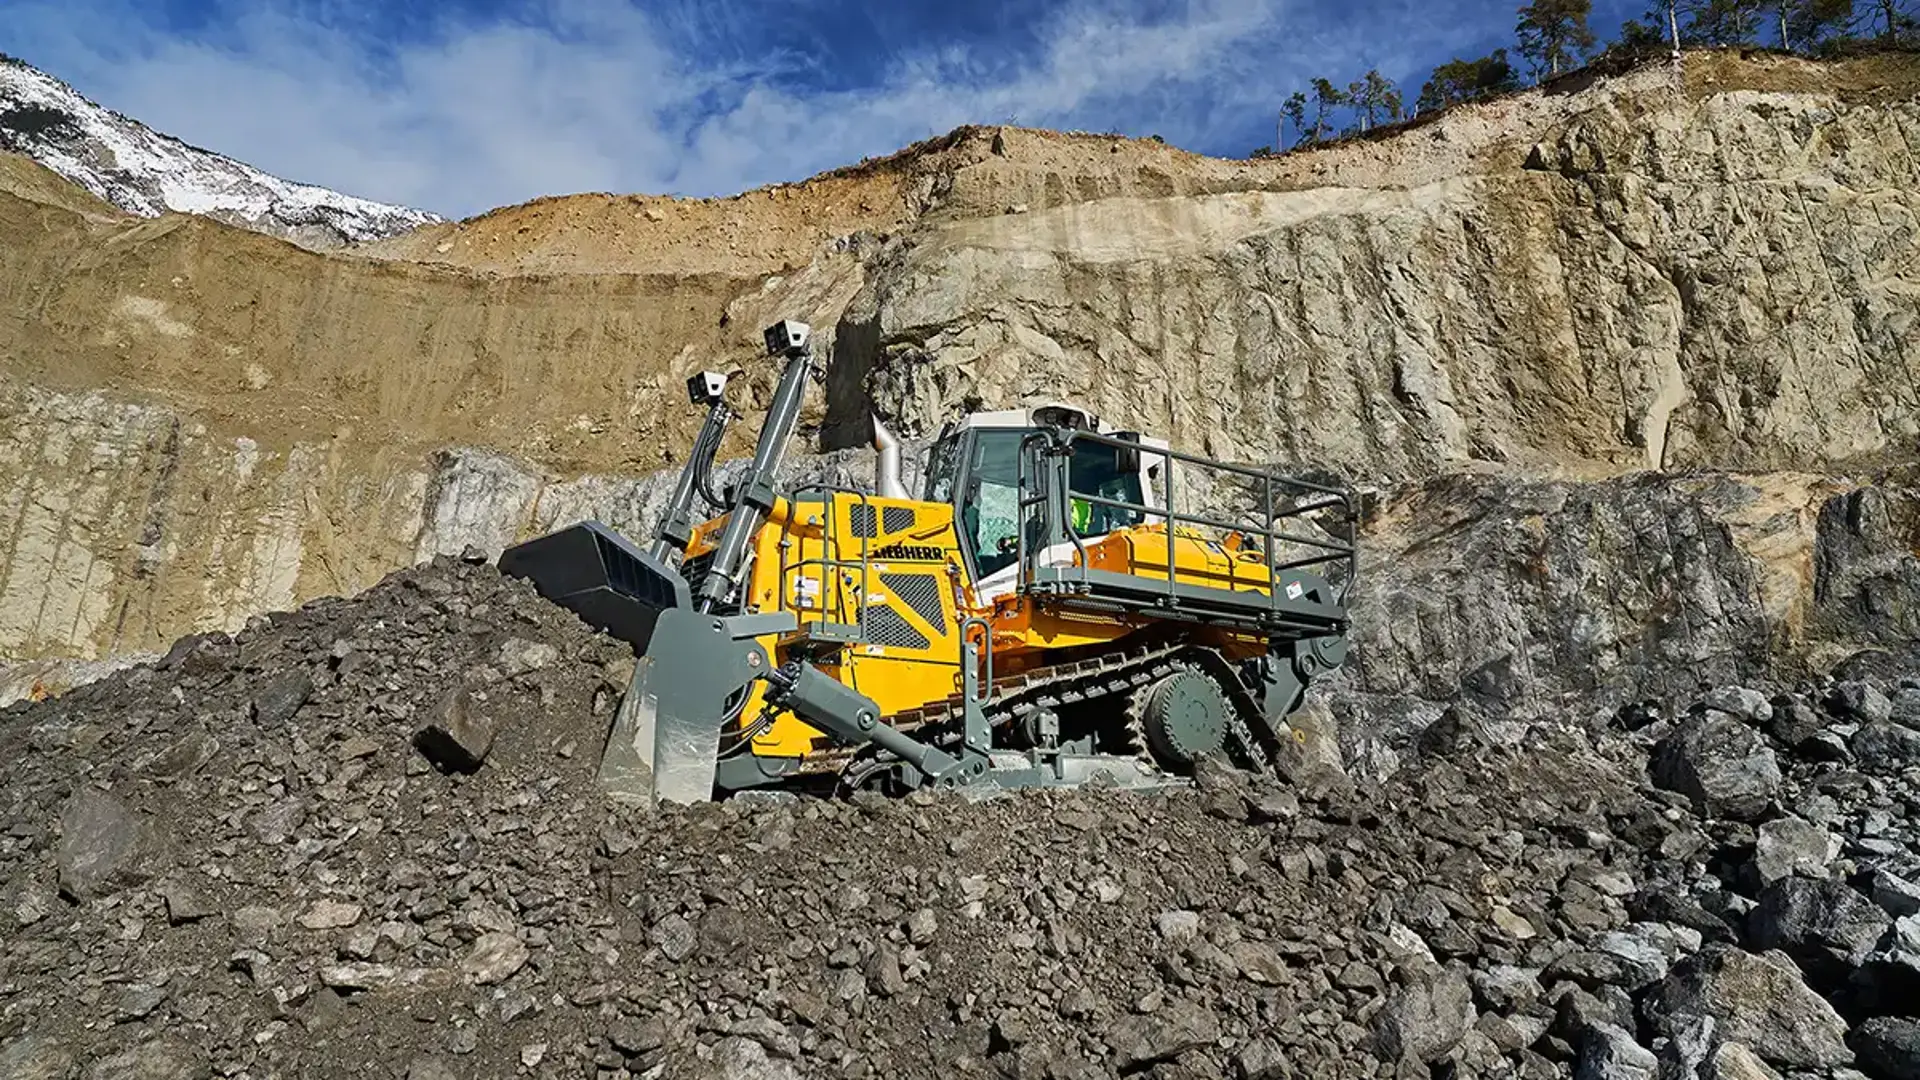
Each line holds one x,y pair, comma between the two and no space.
694,568
886,627
921,592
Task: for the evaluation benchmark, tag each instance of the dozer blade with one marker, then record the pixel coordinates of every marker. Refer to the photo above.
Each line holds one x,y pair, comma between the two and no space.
600,576
665,739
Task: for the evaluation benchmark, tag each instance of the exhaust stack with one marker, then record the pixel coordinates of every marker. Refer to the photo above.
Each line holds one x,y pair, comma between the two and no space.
886,466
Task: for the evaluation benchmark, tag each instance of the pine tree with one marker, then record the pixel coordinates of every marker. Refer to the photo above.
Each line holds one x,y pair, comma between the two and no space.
1463,80
1890,21
1381,99
1326,98
1720,22
1295,110
1554,33
1808,25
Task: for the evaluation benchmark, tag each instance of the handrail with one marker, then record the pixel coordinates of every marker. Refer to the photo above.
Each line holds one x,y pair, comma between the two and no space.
1269,532
829,541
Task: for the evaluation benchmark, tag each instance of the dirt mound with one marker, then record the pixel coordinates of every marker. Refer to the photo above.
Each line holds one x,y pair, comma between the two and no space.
239,860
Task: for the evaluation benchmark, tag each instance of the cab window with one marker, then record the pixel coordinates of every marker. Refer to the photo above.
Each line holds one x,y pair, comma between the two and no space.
1095,470
990,520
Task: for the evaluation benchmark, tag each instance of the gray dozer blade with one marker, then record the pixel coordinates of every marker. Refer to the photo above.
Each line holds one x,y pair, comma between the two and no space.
664,745
600,576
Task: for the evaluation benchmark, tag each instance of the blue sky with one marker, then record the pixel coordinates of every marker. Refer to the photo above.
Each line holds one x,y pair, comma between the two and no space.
459,106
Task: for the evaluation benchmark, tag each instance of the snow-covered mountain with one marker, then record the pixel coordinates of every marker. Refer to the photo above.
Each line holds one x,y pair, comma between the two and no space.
144,172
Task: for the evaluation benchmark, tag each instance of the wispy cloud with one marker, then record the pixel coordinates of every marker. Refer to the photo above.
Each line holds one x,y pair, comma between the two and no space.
465,110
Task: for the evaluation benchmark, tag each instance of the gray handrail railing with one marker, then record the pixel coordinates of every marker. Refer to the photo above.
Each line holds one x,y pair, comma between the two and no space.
1053,492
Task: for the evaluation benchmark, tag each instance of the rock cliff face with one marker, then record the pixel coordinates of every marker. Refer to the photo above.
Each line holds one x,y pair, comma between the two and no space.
1624,364
1722,281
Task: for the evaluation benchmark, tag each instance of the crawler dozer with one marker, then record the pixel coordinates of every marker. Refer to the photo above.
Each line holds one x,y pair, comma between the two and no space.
1041,615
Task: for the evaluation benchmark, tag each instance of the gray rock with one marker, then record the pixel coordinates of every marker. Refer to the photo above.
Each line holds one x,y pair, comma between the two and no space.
494,957
1425,1018
737,1057
1896,895
1789,846
1794,722
1825,926
1178,927
1312,757
1734,1061
1889,1046
922,925
518,656
884,976
33,903
1168,1032
1749,705
1505,988
1262,1059
1905,709
1642,954
185,903
278,823
1754,1000
163,1058
104,847
1687,1047
1259,963
1886,745
35,1057
138,1001
1860,702
633,1037
254,924
459,733
1609,1053
184,757
330,915
1724,767
281,697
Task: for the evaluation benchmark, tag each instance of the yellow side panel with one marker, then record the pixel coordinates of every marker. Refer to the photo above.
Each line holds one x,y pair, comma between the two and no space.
1197,559
888,568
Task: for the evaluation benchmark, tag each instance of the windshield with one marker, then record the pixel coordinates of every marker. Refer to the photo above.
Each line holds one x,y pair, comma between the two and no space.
941,466
989,519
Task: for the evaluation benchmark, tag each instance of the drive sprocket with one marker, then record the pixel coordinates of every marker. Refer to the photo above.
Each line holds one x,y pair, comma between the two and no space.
1186,716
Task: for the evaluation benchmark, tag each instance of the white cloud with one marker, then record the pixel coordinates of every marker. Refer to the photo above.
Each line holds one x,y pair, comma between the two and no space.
583,95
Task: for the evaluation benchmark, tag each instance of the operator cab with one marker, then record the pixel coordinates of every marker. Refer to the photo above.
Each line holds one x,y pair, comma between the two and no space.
975,468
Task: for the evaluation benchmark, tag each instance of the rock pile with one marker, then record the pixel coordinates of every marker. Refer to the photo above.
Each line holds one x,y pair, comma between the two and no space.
362,839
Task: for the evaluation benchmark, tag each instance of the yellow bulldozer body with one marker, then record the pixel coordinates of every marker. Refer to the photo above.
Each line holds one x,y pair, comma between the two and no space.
892,570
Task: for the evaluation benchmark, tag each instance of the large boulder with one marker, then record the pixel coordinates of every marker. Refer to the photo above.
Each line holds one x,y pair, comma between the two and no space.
1790,846
1827,927
1760,1001
104,847
1889,1046
1425,1018
1720,764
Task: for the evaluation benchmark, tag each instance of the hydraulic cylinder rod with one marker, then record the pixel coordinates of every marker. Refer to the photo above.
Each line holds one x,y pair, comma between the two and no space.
755,495
676,525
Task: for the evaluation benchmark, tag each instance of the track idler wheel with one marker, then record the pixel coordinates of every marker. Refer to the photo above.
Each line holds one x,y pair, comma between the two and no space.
1186,717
